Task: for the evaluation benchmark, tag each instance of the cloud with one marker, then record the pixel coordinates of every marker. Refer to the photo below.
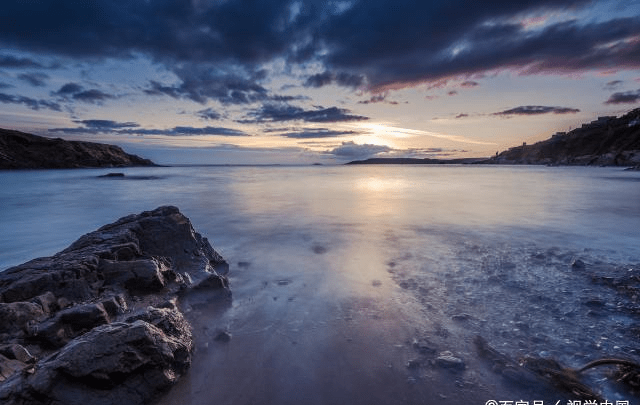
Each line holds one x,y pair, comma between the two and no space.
627,97
5,85
319,80
452,93
316,133
351,150
536,110
29,102
285,112
186,130
341,79
469,84
68,89
8,61
378,98
379,43
203,83
613,84
36,79
462,115
107,124
129,128
75,91
92,96
209,114
401,45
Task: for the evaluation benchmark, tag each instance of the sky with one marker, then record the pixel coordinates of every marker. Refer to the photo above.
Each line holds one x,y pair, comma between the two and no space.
304,81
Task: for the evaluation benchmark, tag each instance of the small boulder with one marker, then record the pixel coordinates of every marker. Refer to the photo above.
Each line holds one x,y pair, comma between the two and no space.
17,352
9,367
577,264
135,275
48,302
15,316
71,322
448,360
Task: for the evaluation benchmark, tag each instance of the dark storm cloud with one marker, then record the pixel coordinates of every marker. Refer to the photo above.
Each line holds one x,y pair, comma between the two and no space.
174,29
316,133
626,97
403,42
286,112
537,110
377,42
29,102
36,79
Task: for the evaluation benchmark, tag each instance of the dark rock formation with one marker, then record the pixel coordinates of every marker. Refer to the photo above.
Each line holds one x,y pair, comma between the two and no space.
19,150
607,141
98,323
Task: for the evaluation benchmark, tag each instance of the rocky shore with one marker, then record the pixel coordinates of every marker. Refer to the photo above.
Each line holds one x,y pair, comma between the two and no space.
19,150
99,322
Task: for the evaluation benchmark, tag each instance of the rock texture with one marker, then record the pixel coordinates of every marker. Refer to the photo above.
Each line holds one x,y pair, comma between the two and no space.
98,323
607,141
19,150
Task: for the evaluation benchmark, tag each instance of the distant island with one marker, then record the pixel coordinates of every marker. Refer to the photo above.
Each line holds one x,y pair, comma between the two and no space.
415,161
606,141
19,150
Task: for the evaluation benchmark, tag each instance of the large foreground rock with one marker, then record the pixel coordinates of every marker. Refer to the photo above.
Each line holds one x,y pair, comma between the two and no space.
98,323
19,150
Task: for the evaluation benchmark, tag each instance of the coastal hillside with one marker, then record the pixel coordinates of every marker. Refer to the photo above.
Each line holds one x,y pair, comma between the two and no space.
19,150
607,141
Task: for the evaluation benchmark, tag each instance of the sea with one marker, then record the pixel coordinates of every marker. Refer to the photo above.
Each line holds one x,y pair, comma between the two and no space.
351,282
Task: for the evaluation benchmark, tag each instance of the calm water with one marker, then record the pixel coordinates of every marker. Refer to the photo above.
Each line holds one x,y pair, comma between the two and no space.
338,271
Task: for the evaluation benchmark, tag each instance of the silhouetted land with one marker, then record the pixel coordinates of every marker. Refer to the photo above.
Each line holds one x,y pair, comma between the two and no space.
19,150
606,141
415,161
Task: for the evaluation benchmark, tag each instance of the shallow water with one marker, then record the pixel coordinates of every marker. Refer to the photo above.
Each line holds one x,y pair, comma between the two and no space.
342,276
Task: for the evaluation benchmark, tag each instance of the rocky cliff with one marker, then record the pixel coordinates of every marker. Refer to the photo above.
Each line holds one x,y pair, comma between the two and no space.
607,141
19,150
99,322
